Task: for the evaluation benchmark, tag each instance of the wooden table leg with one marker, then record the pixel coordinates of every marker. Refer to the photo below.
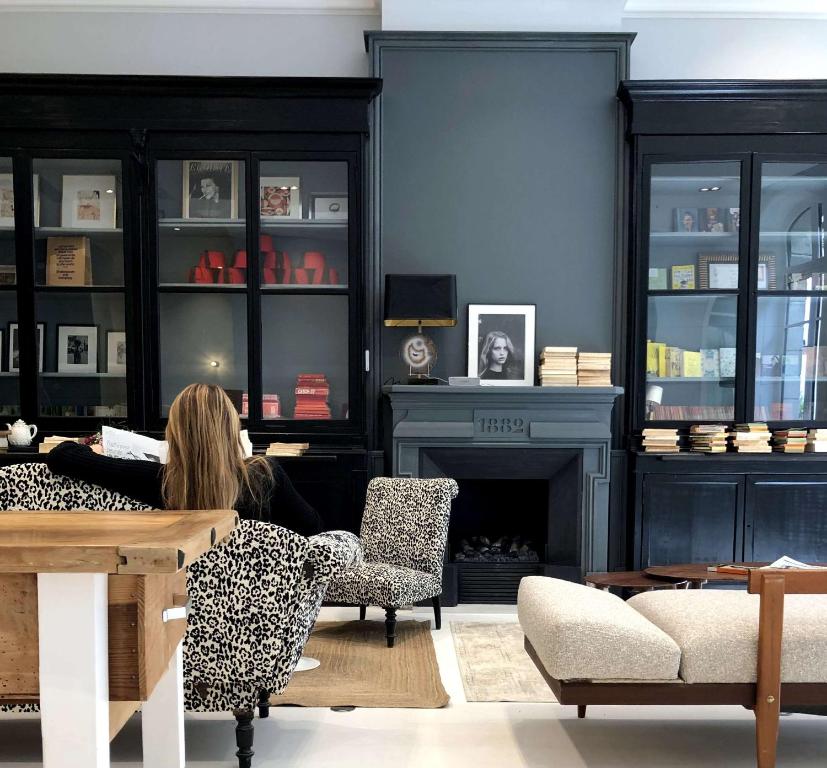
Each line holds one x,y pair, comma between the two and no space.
74,669
163,717
768,687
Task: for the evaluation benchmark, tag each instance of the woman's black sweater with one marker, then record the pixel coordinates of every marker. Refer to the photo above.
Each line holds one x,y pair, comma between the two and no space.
141,480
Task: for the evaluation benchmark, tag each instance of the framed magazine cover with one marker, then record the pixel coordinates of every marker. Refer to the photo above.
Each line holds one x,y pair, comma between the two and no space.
210,189
501,344
89,202
280,197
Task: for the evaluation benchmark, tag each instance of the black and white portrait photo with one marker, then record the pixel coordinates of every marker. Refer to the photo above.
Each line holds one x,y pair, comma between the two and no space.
210,189
14,347
116,352
77,349
501,343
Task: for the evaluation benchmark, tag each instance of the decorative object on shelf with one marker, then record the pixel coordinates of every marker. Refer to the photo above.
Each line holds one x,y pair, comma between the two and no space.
753,437
328,207
718,270
312,392
8,274
685,219
280,197
766,272
270,406
713,219
212,268
116,352
14,347
420,300
594,369
68,261
710,364
726,358
683,277
7,199
658,279
733,221
314,265
654,397
89,202
708,438
660,440
558,367
237,273
501,343
20,433
277,268
77,349
791,440
210,189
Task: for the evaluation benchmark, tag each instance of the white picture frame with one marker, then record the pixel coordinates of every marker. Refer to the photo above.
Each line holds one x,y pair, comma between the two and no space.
723,275
77,349
503,336
116,352
14,347
89,202
210,189
328,207
7,200
279,197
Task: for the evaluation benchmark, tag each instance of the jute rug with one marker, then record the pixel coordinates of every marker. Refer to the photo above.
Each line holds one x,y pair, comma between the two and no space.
358,669
494,664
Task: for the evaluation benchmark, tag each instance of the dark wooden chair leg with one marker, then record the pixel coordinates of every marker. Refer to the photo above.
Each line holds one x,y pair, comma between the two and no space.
390,626
244,737
581,711
363,609
437,612
263,703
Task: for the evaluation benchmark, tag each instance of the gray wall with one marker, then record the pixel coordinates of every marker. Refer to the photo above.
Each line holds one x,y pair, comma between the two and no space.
501,166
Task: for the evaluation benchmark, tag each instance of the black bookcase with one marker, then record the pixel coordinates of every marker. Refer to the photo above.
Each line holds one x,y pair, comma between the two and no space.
224,220
728,266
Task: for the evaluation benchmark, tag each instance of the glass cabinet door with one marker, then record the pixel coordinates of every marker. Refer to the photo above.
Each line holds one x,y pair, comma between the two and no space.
790,354
303,209
693,279
9,363
202,276
79,287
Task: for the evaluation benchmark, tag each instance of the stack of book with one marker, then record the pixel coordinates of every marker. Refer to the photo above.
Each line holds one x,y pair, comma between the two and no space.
751,438
312,392
661,441
707,438
558,367
789,440
817,441
50,441
287,449
594,369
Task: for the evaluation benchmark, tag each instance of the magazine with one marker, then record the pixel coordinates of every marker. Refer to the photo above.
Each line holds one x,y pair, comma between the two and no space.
122,444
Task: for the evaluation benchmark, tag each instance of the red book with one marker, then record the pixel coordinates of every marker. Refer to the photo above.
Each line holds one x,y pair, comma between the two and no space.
306,390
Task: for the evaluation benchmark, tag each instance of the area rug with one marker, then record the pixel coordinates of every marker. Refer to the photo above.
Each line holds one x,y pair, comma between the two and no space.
358,669
494,664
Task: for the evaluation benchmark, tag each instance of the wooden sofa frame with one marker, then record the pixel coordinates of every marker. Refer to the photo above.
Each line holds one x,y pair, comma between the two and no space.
764,697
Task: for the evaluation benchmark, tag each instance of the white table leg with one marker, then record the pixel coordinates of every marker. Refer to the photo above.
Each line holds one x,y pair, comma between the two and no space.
163,717
74,669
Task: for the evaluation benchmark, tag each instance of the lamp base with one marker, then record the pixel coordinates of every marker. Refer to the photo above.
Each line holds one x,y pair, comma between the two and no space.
422,379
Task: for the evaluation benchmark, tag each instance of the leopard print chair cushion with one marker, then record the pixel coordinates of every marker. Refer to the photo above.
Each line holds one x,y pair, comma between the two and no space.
255,596
404,533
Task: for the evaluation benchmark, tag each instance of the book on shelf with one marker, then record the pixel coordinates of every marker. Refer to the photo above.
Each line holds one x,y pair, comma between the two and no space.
674,362
558,367
752,437
708,438
791,440
816,441
657,440
68,261
594,369
312,391
710,365
658,279
726,357
287,449
683,277
691,364
783,563
690,412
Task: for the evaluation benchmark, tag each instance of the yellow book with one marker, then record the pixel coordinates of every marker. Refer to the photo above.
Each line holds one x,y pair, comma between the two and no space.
674,362
691,363
661,359
652,358
683,277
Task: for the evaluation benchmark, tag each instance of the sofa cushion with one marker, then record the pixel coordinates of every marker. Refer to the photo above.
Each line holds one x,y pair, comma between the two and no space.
717,631
584,633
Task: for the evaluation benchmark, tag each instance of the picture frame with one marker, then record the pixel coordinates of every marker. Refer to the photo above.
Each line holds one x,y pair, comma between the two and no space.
116,352
14,347
279,197
714,276
209,189
89,202
7,199
501,344
685,220
712,219
328,207
77,349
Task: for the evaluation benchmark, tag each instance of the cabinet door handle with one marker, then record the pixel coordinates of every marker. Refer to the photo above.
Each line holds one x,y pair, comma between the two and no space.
180,610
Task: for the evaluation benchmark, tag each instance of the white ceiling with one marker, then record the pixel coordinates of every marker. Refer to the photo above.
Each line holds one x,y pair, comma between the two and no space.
232,6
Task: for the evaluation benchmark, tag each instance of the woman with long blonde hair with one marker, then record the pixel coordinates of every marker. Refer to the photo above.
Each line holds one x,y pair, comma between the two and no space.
205,468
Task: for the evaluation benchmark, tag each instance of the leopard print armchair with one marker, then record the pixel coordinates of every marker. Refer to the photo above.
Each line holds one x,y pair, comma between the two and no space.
255,597
404,534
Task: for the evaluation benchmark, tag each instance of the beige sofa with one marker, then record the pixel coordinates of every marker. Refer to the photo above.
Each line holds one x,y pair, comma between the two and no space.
683,647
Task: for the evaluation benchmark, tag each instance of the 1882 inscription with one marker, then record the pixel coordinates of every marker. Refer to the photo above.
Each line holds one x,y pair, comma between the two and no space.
501,424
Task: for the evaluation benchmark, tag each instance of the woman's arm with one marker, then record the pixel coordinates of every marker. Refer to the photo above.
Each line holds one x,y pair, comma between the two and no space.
140,480
288,509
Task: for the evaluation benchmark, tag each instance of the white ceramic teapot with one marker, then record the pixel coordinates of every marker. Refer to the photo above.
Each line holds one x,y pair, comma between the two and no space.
21,433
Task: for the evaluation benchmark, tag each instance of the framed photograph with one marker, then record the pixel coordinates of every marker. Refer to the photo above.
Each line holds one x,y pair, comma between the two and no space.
733,222
14,347
280,197
713,219
88,202
766,272
116,351
77,349
7,199
718,270
686,220
210,189
328,207
501,344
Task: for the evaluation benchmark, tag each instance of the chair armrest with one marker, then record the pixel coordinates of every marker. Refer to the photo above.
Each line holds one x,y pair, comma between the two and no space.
333,552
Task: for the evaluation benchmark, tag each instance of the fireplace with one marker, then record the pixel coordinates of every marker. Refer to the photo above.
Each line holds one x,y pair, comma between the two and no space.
532,466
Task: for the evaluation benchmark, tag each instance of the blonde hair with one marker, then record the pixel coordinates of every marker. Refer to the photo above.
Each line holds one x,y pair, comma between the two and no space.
206,468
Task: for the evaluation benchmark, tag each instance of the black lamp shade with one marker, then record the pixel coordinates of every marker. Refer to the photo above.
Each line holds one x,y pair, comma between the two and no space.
421,300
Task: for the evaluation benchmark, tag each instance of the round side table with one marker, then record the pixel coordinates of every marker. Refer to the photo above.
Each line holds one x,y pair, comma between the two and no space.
636,581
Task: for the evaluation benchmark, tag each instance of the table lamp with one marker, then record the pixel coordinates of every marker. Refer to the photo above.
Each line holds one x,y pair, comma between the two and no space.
417,300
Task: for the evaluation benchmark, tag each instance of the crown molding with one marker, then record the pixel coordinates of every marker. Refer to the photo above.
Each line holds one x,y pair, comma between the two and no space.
298,7
726,9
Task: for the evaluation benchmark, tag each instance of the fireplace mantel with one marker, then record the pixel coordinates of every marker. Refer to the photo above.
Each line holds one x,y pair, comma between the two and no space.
428,417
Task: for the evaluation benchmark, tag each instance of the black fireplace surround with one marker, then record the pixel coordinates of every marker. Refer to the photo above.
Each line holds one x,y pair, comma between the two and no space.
532,466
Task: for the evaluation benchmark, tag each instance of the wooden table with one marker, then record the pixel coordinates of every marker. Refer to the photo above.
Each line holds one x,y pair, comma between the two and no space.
637,581
92,617
697,574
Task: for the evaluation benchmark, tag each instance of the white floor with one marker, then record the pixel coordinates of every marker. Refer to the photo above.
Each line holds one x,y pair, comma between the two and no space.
463,734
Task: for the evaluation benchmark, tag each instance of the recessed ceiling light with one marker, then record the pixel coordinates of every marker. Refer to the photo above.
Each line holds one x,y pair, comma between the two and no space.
294,187
214,363
704,189
110,192
177,229
714,189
